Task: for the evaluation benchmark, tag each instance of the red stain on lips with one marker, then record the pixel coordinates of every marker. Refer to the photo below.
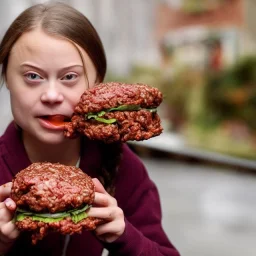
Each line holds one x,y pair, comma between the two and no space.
56,120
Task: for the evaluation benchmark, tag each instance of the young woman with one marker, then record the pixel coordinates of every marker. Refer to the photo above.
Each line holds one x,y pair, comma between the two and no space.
50,54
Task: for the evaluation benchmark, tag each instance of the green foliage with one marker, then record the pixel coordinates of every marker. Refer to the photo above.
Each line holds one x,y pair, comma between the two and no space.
199,6
231,94
176,91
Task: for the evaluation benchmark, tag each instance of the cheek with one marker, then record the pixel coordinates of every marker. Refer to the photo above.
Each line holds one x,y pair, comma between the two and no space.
76,98
84,85
21,99
15,86
19,103
76,94
19,110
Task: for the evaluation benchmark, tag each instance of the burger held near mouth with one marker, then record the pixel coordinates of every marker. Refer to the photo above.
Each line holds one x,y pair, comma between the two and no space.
115,111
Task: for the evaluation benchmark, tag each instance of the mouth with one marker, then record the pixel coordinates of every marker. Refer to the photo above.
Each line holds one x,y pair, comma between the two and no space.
56,120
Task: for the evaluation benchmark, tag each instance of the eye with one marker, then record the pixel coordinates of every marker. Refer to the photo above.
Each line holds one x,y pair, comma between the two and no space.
33,76
69,77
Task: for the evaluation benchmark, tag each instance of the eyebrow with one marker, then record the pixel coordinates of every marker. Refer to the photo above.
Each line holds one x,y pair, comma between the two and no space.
38,68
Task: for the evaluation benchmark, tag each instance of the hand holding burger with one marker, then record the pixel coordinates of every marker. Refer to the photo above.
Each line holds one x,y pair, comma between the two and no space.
8,230
105,207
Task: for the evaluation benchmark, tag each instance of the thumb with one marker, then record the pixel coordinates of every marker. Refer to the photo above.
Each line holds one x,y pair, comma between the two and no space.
5,191
10,204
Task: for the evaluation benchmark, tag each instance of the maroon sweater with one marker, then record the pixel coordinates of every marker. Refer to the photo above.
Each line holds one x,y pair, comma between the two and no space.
136,194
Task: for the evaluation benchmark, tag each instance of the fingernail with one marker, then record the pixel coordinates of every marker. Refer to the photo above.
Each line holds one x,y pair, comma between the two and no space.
8,202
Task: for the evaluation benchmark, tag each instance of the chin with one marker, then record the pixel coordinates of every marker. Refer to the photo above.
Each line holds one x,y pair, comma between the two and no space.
52,138
45,137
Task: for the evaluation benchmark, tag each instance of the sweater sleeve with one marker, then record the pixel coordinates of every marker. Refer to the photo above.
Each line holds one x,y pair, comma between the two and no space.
143,234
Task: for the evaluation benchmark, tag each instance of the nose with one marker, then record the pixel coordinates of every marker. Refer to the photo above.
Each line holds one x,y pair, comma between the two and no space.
52,95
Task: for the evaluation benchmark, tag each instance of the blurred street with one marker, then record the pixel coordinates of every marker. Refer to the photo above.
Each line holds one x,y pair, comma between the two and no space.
207,211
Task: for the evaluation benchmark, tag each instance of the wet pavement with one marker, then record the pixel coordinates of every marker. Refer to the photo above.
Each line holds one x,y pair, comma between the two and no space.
207,211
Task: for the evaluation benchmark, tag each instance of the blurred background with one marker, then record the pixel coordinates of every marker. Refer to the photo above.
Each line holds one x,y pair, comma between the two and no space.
202,55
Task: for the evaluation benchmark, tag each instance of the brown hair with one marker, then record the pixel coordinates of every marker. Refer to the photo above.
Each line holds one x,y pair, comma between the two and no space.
62,20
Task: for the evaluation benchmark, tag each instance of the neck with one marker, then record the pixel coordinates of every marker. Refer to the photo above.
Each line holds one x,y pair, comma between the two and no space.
67,152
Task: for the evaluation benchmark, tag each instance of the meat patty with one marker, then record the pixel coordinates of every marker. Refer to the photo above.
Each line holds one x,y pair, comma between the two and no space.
48,187
131,125
66,226
109,95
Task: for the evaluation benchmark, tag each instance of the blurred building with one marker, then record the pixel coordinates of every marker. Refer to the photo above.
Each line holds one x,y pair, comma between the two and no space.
221,28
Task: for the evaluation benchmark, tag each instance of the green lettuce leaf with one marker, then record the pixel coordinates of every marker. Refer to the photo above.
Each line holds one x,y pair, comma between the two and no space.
78,217
75,214
77,211
43,215
101,113
20,217
97,116
125,108
46,220
102,120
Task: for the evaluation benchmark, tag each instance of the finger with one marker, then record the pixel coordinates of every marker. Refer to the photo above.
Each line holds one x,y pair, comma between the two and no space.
107,213
10,204
104,200
101,199
98,186
5,214
9,232
116,228
2,206
5,191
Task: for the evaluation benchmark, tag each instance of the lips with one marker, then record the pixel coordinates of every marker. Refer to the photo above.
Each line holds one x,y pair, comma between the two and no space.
56,120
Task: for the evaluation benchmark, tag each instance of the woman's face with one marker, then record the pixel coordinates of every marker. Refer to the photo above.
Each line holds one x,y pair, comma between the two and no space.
45,76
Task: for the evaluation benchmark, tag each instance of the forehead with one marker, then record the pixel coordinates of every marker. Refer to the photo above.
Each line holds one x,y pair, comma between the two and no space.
38,46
